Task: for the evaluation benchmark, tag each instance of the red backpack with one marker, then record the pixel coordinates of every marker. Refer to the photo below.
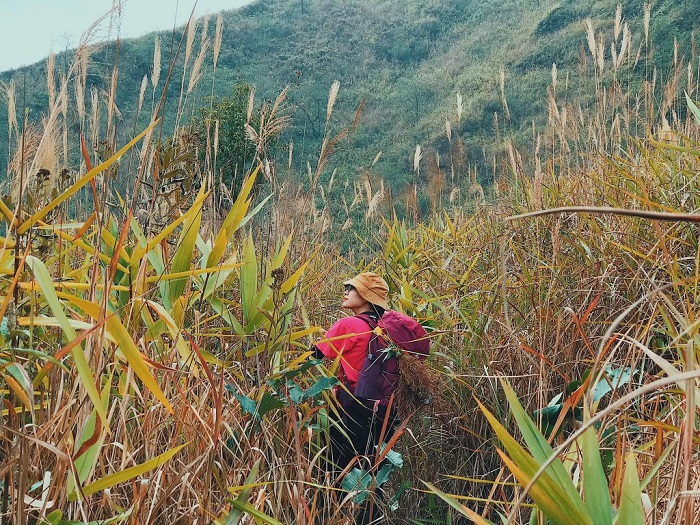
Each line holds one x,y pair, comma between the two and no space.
379,375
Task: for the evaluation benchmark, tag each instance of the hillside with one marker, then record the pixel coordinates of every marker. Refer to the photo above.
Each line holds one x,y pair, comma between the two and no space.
406,60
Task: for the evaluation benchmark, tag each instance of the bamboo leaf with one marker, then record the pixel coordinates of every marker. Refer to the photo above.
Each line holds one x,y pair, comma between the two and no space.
174,328
258,515
595,484
452,502
538,446
146,247
547,494
182,260
631,511
40,214
293,279
556,501
236,513
238,211
693,107
126,344
119,477
249,280
43,279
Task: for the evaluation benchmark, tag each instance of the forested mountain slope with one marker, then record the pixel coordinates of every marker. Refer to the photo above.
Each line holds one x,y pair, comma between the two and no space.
408,61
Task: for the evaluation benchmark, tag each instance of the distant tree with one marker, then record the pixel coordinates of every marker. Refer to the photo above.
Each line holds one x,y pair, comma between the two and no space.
235,152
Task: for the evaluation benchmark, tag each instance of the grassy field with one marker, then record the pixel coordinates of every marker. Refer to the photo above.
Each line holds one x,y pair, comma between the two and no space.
154,365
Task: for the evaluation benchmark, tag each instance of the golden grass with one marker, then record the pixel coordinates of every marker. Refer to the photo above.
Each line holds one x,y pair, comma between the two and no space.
536,298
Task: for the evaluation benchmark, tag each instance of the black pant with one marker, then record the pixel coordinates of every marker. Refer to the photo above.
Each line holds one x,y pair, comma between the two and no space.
362,425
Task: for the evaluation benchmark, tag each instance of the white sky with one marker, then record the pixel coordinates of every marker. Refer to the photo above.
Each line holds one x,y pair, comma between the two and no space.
31,29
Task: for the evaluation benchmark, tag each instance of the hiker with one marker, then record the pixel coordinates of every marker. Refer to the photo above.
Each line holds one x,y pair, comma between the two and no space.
362,419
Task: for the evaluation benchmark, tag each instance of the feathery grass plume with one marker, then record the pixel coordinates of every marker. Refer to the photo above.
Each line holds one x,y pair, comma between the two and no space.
376,159
11,94
590,35
94,116
502,85
332,179
191,31
448,130
333,93
218,37
368,190
417,156
291,155
459,107
251,104
196,72
690,81
601,54
454,194
374,202
647,21
112,100
205,29
554,78
613,54
618,22
50,79
142,92
64,113
155,74
626,46
81,81
675,51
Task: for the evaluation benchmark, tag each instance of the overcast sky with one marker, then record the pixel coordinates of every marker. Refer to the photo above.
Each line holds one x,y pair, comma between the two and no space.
31,29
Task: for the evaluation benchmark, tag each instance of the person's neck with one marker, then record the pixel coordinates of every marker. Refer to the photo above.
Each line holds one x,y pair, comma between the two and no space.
365,308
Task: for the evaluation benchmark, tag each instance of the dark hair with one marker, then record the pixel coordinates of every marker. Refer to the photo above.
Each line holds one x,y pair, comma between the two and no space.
377,310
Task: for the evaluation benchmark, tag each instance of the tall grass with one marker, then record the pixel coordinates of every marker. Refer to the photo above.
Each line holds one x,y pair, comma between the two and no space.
154,360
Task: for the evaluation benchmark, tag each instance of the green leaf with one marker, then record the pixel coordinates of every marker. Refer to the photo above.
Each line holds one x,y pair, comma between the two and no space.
357,480
693,107
237,512
43,278
631,511
126,344
320,386
595,484
541,450
561,506
452,502
182,261
249,280
119,477
259,516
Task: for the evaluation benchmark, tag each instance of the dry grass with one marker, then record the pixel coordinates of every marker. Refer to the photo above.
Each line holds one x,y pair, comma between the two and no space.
536,300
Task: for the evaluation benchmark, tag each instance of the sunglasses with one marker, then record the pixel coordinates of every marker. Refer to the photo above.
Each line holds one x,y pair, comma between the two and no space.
348,288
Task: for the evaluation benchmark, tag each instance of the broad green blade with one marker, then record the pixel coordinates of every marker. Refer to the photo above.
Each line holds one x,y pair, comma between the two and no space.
182,261
538,446
249,280
452,502
631,511
554,500
236,513
595,484
126,344
43,278
119,477
259,516
238,211
693,107
546,493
